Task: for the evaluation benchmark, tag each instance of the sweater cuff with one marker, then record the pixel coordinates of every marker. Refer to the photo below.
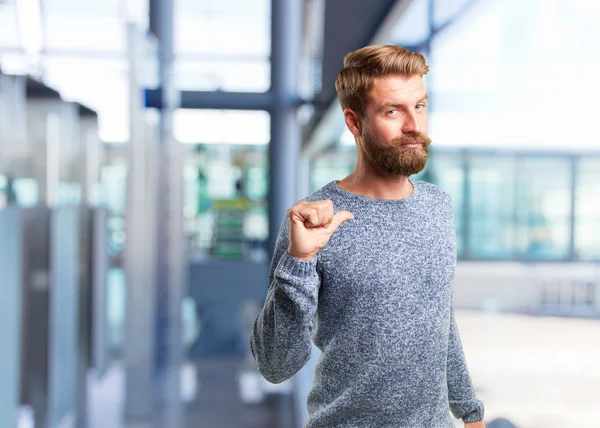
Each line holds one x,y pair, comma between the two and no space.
475,415
298,272
290,265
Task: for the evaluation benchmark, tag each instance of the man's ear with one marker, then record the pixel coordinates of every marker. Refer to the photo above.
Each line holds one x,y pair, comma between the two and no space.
353,122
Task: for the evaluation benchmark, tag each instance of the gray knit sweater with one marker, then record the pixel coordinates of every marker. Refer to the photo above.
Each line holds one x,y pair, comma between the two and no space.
377,301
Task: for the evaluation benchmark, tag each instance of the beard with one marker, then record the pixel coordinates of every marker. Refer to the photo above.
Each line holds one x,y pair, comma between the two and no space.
392,159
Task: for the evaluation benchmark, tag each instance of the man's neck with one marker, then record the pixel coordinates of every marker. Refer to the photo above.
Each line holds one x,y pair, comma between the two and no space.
367,183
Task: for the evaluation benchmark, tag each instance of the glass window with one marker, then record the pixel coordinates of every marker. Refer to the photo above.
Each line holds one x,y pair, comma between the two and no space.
224,33
331,166
9,36
84,28
491,219
114,189
225,205
445,170
503,48
222,126
236,75
587,209
26,191
543,207
100,84
223,45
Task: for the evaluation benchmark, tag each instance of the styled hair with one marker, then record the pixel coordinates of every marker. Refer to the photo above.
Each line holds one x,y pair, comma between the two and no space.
364,65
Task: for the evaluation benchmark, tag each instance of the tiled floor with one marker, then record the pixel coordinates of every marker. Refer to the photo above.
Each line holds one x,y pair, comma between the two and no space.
218,404
538,372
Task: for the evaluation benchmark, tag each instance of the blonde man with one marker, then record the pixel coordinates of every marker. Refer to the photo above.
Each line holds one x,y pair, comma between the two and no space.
364,267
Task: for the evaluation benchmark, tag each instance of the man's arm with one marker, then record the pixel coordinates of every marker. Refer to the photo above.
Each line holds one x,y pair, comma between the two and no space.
282,334
281,338
463,401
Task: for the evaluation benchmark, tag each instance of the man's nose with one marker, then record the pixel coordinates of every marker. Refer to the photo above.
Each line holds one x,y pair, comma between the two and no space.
411,124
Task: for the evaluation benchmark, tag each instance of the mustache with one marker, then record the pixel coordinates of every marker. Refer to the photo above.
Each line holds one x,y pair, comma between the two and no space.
407,139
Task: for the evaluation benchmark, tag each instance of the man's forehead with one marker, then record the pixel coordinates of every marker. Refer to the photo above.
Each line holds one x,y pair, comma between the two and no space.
397,86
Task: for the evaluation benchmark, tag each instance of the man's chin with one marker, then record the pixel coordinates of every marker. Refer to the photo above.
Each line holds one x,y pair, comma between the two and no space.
411,161
406,172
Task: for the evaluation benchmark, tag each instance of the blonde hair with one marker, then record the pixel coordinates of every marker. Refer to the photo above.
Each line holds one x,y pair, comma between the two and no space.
364,65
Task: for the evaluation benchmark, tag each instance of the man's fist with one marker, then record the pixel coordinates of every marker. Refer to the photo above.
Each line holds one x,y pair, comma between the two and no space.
311,226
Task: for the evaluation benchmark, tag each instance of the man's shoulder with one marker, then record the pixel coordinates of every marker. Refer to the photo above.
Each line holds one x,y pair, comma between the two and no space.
324,193
433,190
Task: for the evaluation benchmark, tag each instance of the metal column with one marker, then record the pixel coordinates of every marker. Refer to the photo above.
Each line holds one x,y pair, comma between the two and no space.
284,149
11,266
63,295
139,322
170,252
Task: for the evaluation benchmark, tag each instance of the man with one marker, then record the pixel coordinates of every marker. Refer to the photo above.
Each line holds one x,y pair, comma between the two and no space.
364,267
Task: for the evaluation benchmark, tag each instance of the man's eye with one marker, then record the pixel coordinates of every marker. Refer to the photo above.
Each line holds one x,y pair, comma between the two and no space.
392,111
421,106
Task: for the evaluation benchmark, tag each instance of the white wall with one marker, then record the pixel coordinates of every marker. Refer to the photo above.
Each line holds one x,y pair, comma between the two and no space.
518,287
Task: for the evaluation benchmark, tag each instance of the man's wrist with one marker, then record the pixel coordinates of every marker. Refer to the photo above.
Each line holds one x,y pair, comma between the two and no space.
303,257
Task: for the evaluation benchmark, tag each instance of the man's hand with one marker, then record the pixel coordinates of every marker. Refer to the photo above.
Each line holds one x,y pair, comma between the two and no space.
479,424
311,226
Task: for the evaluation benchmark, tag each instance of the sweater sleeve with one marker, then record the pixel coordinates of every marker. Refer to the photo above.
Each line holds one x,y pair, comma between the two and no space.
282,334
463,401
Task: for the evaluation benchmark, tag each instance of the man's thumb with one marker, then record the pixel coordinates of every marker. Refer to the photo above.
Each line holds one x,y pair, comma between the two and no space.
339,218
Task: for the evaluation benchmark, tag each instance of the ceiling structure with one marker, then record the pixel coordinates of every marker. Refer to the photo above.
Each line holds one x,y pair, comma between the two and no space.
220,45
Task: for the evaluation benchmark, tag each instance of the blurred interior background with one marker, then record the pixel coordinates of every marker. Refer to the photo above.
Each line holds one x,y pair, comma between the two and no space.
149,150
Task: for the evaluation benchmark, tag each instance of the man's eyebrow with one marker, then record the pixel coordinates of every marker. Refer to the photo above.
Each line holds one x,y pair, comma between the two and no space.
389,104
